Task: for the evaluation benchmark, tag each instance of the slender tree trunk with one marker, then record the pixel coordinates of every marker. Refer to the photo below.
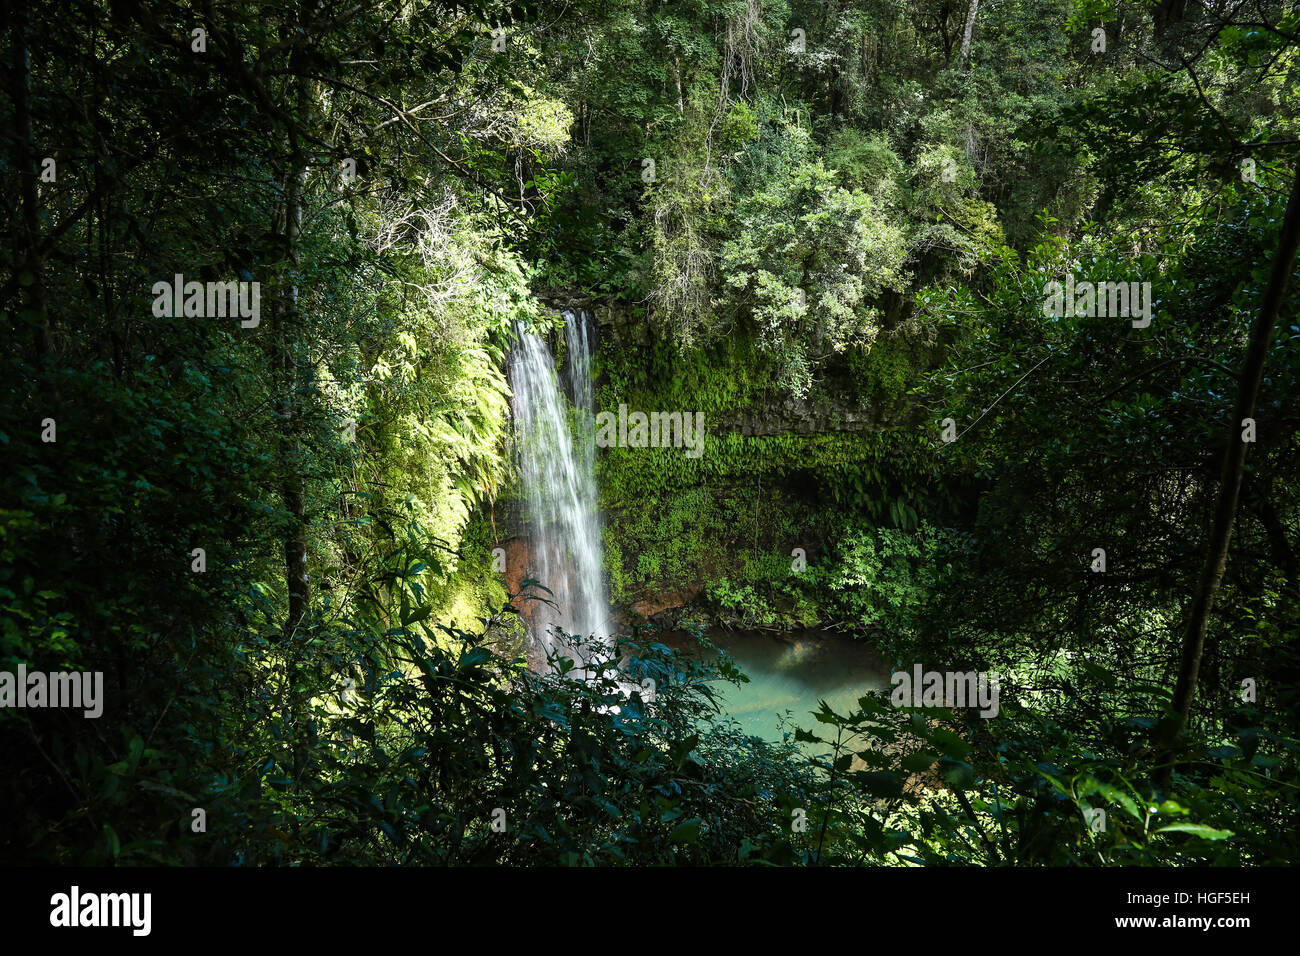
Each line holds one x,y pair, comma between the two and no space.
1234,460
292,481
291,457
970,28
1167,13
292,367
28,239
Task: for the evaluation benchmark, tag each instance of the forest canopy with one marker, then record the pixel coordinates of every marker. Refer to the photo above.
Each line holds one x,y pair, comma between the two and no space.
990,310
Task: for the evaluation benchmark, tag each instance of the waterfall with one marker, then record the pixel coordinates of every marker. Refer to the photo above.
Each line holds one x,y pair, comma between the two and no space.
557,468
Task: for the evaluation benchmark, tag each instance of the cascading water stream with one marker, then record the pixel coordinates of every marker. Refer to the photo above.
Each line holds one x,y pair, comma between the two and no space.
558,474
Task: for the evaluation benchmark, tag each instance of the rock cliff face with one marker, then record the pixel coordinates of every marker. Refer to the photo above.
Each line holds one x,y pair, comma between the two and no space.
518,569
794,417
517,563
653,605
673,598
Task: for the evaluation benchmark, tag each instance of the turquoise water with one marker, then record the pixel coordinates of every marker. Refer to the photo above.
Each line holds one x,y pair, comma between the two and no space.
791,676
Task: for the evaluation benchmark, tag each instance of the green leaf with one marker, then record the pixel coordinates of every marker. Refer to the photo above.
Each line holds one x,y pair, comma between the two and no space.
1197,829
950,745
919,762
111,841
474,657
958,773
687,832
418,615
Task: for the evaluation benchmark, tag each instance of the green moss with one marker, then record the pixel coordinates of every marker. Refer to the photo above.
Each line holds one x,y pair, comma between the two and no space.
473,590
731,517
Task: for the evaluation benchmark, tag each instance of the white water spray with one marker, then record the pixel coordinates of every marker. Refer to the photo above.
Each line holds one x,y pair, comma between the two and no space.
558,472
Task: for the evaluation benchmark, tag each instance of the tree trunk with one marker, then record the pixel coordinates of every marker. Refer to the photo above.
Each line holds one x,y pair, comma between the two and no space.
293,485
1234,460
27,244
970,28
291,458
1167,13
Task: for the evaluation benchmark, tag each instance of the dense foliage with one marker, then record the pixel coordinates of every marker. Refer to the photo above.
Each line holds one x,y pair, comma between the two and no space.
830,227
